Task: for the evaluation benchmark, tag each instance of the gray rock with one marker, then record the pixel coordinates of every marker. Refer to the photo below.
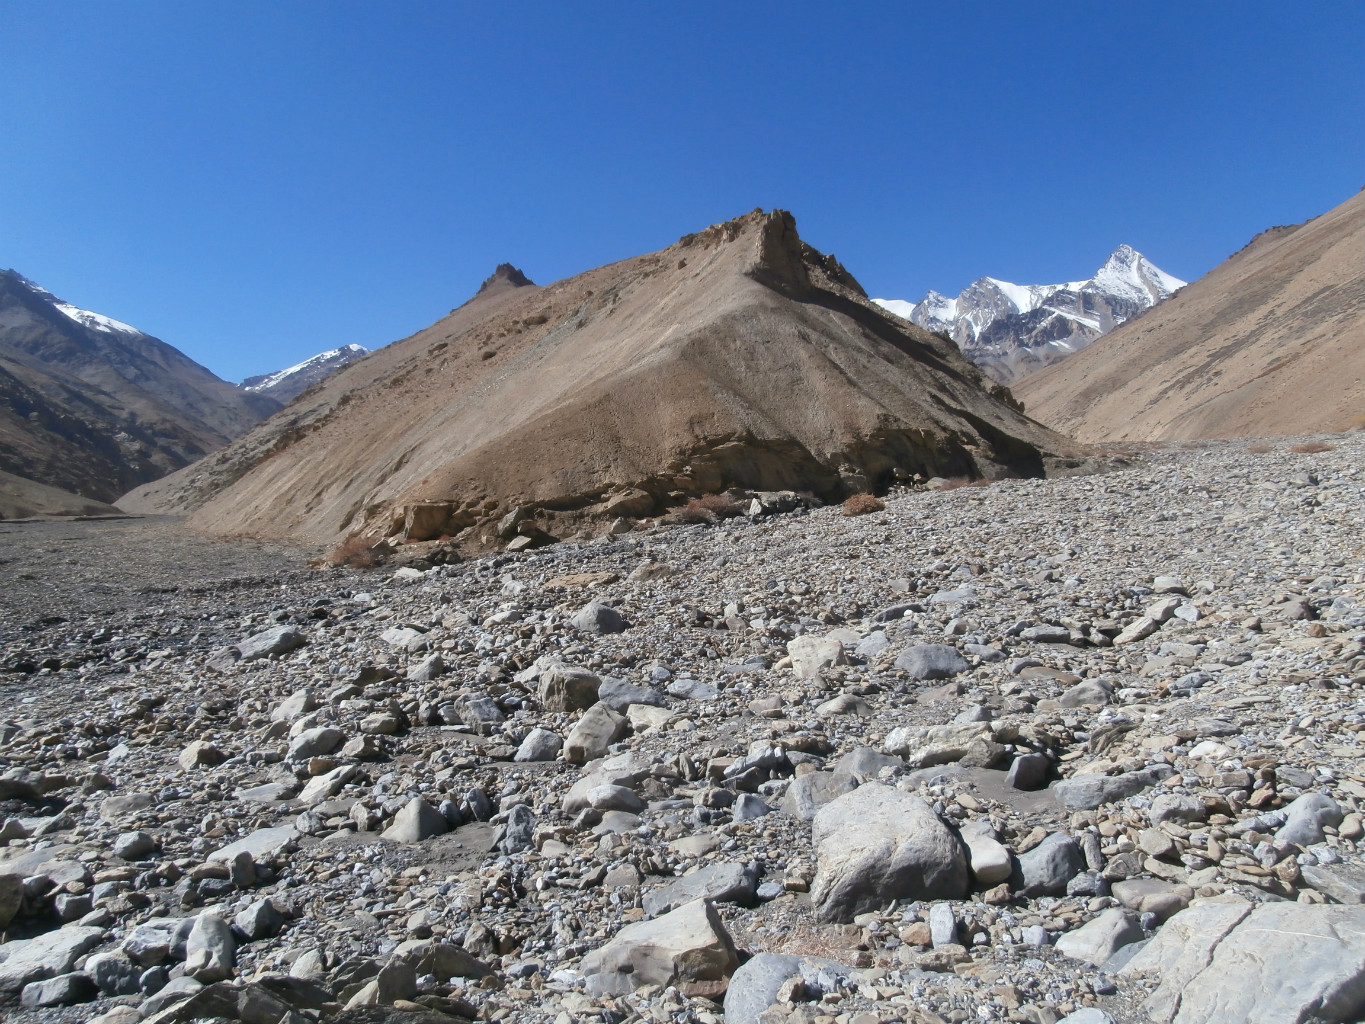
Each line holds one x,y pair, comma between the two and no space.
210,951
416,821
942,925
748,806
615,798
1344,883
755,985
1046,634
923,746
1154,896
1176,807
325,786
808,793
867,762
811,655
539,745
1028,772
429,668
1087,1015
1211,964
725,882
133,845
1087,692
931,661
1305,818
1086,792
519,833
592,734
1048,867
1097,940
176,991
985,652
688,947
480,713
63,990
618,695
260,920
294,706
878,844
114,973
314,743
276,640
157,940
872,645
598,618
263,844
568,688
988,858
46,956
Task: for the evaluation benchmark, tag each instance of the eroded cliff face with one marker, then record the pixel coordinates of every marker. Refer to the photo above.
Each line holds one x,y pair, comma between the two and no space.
739,357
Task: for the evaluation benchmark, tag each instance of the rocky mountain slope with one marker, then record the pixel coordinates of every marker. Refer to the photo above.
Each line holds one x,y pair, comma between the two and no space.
287,384
1012,330
1271,341
1082,750
739,356
93,406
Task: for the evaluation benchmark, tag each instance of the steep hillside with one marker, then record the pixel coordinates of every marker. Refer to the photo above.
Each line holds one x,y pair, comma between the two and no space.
738,356
1271,341
94,406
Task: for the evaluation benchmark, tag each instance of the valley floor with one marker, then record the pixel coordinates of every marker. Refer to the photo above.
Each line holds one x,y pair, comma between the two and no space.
1176,647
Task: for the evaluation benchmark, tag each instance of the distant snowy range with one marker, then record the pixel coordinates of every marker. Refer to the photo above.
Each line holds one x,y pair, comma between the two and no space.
1011,330
284,385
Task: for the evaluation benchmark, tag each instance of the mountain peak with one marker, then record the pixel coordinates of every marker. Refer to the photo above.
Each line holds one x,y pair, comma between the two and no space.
504,277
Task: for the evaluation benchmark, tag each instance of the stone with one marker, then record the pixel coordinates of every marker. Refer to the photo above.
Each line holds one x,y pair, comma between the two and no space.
275,640
1169,585
593,733
296,705
417,820
942,925
1048,867
539,745
1211,961
811,655
431,667
877,844
646,716
46,955
114,973
260,920
619,695
201,753
1097,940
1087,692
1087,792
63,990
931,661
480,713
923,746
1155,896
210,950
688,948
1028,772
867,762
1139,629
518,834
157,940
755,986
314,743
808,793
133,845
748,806
1176,807
1087,1015
177,991
1306,817
615,798
262,845
1046,634
115,808
567,688
724,882
598,618
1344,883
327,785
988,858
11,897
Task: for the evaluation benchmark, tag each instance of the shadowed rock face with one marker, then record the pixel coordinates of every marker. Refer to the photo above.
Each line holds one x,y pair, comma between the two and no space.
1271,341
740,356
93,406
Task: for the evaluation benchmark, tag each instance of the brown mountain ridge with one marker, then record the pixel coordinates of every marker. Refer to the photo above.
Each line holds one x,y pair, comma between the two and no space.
1269,342
739,356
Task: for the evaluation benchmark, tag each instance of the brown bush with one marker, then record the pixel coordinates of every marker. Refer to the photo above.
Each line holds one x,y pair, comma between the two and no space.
1310,448
710,507
1258,449
862,504
355,552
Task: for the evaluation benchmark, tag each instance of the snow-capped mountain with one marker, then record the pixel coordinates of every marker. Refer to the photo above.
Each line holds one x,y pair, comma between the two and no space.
285,384
1011,330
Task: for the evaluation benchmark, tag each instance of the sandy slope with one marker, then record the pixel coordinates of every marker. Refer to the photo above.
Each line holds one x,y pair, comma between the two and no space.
1271,341
21,498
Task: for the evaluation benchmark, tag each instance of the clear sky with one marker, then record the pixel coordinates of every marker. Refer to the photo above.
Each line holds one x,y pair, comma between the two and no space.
255,182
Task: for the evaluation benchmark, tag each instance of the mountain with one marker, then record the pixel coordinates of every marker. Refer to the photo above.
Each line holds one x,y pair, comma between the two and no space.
1012,330
94,406
1271,341
739,356
287,384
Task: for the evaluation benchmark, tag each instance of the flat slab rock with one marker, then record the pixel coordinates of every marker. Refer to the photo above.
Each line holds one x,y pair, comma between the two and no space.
1268,963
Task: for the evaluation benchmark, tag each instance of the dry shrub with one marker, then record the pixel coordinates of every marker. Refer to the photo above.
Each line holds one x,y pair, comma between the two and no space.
710,507
355,552
862,504
1310,448
1258,449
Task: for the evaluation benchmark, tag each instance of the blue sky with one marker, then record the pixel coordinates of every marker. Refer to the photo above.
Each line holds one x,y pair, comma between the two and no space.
257,182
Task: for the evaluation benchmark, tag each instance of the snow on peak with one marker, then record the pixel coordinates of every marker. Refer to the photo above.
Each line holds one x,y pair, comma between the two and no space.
95,321
345,354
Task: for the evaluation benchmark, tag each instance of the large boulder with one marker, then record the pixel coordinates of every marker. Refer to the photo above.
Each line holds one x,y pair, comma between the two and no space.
877,844
923,746
811,655
1268,963
931,661
689,948
592,734
46,955
568,688
755,985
